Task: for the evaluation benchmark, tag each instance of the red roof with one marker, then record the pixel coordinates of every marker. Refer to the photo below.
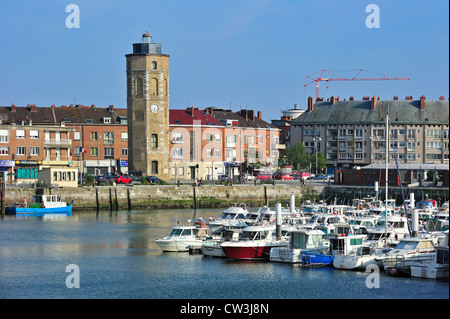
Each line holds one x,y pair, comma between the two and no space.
185,117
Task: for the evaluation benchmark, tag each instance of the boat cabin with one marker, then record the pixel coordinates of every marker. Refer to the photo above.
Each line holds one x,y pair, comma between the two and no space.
184,231
48,201
303,239
252,233
342,245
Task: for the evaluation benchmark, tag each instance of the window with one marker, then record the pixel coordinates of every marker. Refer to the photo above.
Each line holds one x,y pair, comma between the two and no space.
94,151
217,152
4,136
358,156
109,152
4,150
124,136
94,136
217,137
154,140
177,138
20,150
359,133
34,151
76,152
154,65
20,134
125,152
177,153
34,134
154,167
209,153
76,136
109,138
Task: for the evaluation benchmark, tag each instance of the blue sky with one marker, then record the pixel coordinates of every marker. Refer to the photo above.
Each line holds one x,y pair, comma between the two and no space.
251,54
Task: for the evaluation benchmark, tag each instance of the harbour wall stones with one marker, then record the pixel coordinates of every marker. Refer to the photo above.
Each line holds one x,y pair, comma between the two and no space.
208,196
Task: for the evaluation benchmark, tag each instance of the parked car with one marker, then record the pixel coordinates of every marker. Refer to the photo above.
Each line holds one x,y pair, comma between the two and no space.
264,176
153,180
286,177
320,177
249,177
106,178
123,179
224,177
295,176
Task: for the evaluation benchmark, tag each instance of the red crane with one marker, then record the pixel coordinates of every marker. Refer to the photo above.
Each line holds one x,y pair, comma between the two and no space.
311,78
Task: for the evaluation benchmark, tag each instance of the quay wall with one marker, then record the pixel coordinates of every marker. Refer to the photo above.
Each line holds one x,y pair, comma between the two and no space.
208,196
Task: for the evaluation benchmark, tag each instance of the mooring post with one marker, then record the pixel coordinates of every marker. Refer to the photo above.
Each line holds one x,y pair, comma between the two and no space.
195,197
96,198
128,199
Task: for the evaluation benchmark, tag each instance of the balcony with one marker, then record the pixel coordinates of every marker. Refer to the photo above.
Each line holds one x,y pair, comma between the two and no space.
61,143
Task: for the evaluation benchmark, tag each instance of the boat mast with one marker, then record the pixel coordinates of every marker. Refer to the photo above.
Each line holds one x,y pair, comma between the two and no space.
386,179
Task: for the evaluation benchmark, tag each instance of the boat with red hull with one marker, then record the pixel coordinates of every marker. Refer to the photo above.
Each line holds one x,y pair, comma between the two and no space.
255,242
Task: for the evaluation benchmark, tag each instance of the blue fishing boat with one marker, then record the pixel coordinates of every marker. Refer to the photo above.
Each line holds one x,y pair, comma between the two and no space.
42,204
316,259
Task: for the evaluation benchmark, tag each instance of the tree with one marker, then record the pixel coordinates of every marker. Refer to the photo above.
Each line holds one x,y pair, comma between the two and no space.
296,155
321,161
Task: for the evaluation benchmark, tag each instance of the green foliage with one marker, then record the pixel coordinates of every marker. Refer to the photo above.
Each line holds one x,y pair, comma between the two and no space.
296,155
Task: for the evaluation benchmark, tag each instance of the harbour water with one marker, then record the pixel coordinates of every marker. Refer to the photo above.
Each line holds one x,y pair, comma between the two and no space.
117,259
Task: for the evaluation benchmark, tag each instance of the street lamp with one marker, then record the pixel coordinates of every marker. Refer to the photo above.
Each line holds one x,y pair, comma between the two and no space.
316,139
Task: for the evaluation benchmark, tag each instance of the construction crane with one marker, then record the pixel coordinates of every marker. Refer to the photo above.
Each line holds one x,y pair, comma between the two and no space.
321,77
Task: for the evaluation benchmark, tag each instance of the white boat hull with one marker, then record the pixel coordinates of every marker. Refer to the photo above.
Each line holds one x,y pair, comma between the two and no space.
352,262
212,251
431,271
178,244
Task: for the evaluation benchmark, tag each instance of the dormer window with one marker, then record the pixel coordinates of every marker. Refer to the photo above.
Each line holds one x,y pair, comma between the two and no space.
106,120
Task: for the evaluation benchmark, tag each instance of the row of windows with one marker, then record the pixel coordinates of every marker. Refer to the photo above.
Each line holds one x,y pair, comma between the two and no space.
20,150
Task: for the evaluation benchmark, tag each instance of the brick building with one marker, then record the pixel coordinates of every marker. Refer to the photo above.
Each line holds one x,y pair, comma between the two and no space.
351,133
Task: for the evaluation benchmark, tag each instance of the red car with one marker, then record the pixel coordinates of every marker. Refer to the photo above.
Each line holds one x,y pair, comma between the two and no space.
264,176
123,179
287,177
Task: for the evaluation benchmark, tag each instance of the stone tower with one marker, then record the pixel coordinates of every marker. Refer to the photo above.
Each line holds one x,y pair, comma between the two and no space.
148,108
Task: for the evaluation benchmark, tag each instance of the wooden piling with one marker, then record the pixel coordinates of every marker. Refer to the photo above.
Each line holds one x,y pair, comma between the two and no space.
128,199
195,196
96,199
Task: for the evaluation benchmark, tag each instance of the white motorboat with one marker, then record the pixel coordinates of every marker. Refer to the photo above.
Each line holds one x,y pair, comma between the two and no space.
390,229
407,250
212,246
181,238
362,224
232,217
301,240
359,258
437,268
255,242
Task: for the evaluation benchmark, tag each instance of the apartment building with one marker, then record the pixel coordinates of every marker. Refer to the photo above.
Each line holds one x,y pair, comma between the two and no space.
352,133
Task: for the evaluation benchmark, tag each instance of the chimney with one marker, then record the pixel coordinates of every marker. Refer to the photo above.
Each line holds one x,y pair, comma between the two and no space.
333,100
260,115
422,102
111,108
251,115
409,98
373,103
33,108
351,98
442,98
366,98
395,98
310,104
13,107
92,106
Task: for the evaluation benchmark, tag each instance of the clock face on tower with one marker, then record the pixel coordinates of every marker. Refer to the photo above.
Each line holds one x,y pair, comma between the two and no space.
154,108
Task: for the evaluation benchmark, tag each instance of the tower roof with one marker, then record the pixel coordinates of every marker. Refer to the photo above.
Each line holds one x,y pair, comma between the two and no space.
146,34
